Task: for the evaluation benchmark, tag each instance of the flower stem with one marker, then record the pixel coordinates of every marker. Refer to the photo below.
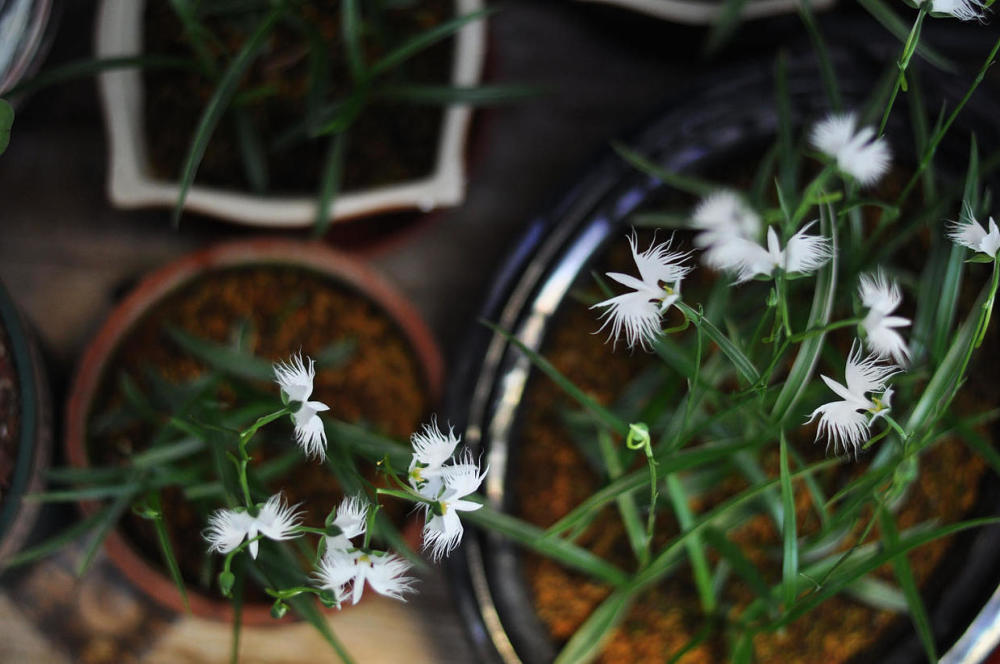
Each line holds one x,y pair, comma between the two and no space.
243,461
909,48
987,310
940,134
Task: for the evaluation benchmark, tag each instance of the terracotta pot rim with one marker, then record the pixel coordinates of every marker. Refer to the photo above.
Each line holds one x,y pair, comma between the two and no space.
145,297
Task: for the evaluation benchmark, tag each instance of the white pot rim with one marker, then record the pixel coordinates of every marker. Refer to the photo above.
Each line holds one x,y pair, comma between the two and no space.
130,182
701,12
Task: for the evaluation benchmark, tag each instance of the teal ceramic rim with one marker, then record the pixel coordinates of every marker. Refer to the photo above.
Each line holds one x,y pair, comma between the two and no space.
23,366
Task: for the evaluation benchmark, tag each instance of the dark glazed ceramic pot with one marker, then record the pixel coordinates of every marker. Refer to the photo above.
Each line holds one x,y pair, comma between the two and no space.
26,421
700,133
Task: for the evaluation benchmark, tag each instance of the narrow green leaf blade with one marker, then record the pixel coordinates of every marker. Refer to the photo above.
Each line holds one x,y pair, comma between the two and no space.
534,538
6,123
425,40
217,105
480,95
601,413
822,307
789,534
685,183
904,574
587,641
223,358
167,549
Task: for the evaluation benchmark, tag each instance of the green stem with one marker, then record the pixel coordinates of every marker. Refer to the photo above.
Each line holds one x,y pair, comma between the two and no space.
987,310
809,197
244,459
909,48
940,134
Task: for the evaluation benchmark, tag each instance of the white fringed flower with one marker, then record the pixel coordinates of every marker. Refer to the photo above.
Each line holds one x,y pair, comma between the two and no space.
351,519
432,448
638,312
724,218
384,572
882,298
227,528
856,151
963,10
296,383
970,234
443,529
846,423
803,254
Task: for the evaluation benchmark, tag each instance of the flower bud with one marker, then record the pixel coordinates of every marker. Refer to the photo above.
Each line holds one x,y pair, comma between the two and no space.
226,581
278,610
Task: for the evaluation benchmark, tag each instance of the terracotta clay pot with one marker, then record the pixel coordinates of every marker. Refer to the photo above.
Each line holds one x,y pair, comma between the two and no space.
147,575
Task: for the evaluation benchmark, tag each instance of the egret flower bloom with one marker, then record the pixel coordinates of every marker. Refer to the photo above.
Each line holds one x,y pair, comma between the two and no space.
296,383
970,234
638,312
802,254
227,528
882,298
846,422
384,572
431,450
352,519
443,529
856,151
724,218
963,10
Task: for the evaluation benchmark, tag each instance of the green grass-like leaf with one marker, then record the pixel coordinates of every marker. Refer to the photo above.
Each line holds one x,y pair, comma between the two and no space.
480,95
586,642
730,349
600,413
350,31
218,103
891,21
789,533
868,564
534,538
685,183
819,315
904,574
424,40
330,179
675,462
6,123
222,357
167,548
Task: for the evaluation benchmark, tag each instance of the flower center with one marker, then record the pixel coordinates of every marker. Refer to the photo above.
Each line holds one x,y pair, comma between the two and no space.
879,406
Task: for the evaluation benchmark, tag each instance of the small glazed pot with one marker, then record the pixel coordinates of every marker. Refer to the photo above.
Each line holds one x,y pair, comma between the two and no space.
145,297
23,24
131,183
28,397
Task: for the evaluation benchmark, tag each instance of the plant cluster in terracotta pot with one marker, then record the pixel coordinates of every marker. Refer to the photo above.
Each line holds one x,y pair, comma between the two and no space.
186,360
